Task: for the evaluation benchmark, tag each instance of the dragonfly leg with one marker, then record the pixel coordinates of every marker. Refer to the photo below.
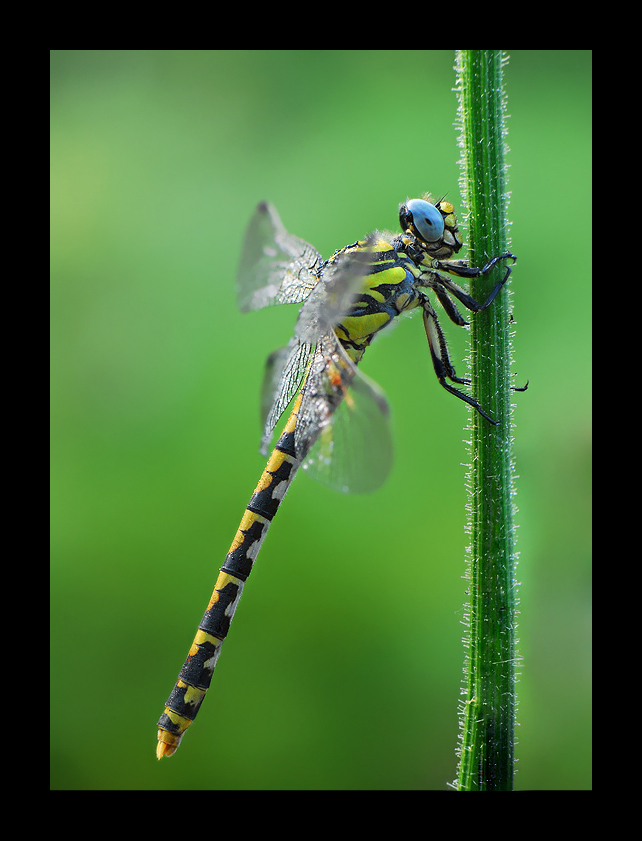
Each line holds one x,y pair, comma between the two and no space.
470,271
441,361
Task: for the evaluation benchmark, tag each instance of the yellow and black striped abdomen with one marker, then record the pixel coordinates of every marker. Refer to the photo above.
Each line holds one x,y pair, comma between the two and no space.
196,675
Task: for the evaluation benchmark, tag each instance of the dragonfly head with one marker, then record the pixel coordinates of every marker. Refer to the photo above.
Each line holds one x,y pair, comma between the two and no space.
434,226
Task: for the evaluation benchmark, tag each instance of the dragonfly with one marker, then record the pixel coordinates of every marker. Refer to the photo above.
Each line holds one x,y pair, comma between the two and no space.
338,428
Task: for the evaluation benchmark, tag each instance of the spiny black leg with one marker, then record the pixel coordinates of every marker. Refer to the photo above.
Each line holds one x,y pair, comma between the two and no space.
438,346
499,285
467,399
449,308
462,269
441,361
467,271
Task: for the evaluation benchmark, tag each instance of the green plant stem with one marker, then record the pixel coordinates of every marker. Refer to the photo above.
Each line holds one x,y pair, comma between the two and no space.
488,715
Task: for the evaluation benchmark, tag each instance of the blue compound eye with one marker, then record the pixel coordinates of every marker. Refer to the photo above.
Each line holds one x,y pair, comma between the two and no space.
427,220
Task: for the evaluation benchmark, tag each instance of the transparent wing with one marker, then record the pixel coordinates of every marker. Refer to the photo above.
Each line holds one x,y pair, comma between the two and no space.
284,374
353,452
341,279
276,267
272,380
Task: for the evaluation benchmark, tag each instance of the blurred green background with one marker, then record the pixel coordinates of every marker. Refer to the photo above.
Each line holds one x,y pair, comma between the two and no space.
344,665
